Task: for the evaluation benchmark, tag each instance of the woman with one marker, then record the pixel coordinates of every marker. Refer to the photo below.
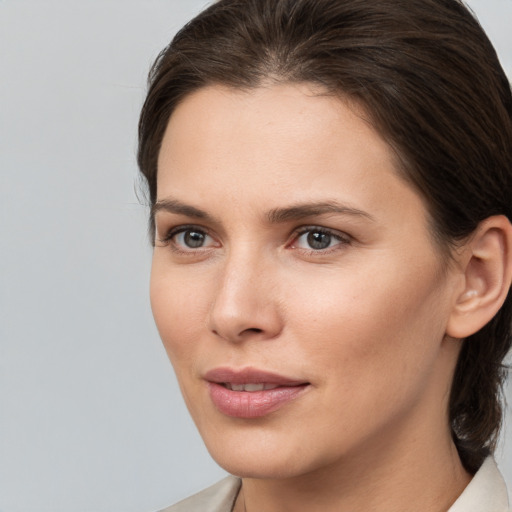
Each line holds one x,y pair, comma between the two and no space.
331,192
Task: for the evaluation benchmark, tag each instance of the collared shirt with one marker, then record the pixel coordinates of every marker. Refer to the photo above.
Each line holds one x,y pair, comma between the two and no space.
486,492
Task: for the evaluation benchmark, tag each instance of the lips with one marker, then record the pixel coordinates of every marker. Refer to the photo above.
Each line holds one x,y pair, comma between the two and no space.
251,393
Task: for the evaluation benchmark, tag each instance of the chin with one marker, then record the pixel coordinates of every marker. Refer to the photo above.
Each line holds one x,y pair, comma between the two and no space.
265,455
246,466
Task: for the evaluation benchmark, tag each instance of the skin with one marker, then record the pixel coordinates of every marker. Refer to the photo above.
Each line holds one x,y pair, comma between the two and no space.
363,320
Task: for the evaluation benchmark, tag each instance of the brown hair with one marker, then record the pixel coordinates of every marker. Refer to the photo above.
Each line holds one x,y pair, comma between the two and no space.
433,87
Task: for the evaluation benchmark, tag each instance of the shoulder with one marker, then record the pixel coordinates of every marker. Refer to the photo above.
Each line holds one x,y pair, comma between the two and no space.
486,492
217,498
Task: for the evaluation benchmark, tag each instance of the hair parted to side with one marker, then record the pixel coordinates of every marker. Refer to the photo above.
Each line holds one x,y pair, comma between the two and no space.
432,86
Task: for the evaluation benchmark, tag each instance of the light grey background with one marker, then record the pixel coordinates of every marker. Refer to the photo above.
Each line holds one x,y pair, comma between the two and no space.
90,414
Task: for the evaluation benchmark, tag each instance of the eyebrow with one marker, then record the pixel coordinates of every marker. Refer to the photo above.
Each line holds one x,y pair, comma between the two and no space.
179,208
301,211
274,216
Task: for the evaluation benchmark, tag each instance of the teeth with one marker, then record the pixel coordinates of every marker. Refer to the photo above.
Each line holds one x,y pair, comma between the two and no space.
250,387
253,387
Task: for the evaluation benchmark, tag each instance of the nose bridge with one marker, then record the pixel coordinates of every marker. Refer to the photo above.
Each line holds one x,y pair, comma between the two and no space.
244,305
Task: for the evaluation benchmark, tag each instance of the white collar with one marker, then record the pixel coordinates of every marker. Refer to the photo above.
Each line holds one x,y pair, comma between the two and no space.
486,492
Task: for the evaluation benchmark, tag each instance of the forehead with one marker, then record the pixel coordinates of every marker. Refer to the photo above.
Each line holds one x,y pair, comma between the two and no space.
280,126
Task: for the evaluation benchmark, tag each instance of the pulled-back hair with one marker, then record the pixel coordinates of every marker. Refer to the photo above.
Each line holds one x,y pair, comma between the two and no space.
431,83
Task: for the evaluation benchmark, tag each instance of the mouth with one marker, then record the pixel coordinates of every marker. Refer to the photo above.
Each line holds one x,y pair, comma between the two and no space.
251,393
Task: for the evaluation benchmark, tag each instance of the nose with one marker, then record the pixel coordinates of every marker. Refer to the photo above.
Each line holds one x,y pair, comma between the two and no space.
246,305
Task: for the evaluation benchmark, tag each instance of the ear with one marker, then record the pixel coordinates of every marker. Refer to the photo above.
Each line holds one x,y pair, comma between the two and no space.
486,263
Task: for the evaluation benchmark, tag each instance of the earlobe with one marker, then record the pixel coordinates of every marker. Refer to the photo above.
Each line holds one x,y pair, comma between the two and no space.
487,267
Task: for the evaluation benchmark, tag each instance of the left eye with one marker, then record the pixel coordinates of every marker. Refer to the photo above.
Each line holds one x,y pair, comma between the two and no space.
317,240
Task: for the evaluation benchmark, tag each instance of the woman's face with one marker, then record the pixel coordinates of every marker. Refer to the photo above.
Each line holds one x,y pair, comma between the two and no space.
296,285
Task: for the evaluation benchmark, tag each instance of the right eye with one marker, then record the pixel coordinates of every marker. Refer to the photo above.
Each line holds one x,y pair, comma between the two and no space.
189,238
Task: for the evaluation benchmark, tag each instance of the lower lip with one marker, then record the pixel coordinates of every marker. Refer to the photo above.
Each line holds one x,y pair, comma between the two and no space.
252,404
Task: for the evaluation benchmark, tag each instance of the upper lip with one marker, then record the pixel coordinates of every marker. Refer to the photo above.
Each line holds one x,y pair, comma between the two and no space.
249,376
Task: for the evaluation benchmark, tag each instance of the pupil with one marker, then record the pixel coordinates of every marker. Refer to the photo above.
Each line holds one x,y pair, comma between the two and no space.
318,240
194,239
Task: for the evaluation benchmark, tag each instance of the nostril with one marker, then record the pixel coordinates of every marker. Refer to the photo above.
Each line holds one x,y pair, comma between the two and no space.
254,330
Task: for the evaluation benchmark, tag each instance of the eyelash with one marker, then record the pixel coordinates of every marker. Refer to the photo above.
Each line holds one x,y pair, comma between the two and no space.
342,238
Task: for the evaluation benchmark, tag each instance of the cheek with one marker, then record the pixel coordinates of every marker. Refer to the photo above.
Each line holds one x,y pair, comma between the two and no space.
359,327
179,308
